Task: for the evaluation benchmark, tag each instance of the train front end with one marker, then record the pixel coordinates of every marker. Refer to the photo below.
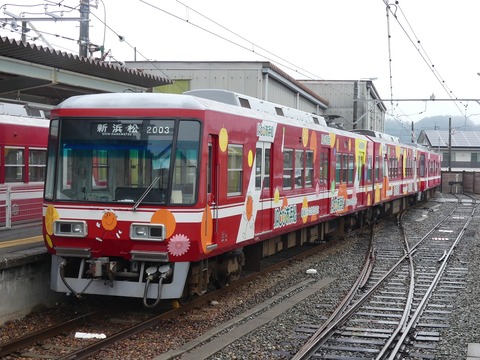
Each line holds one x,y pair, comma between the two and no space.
120,201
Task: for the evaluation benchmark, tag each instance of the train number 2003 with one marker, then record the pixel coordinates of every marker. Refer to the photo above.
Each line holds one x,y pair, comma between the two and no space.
158,130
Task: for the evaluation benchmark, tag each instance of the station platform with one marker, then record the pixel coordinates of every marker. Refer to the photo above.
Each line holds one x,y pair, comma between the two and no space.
19,244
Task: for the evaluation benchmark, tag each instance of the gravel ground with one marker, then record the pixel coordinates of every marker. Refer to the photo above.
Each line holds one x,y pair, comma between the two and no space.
278,336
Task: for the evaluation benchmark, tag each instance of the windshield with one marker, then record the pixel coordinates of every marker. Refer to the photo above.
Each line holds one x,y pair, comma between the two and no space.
118,160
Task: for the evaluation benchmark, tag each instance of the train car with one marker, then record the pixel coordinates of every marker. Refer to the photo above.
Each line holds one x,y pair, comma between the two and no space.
161,196
23,153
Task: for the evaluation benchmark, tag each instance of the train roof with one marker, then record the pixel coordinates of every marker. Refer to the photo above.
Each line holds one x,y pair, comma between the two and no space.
129,101
24,121
250,102
377,134
216,100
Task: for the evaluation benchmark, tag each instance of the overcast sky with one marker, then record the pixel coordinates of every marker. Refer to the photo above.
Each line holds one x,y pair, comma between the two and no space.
420,50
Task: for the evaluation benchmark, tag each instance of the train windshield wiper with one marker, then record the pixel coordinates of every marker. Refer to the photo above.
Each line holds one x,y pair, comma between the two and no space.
145,193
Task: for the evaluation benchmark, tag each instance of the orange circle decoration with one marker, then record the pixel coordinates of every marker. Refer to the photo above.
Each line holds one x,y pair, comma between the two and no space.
305,137
249,207
166,218
332,140
276,196
305,207
50,216
223,139
109,220
250,158
313,144
206,228
48,240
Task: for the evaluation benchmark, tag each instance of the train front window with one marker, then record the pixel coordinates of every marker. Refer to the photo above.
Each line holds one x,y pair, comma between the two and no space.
121,161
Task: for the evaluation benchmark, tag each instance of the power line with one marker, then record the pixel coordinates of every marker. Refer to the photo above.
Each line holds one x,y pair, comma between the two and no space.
419,47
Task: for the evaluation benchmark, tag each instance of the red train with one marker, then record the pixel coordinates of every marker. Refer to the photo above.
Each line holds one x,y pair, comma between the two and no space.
23,154
159,196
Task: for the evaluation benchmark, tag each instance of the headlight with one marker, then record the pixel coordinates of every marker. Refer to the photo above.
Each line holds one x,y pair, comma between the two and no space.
70,228
149,232
140,231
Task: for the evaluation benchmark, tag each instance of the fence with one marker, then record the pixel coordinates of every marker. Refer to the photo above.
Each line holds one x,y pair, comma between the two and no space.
460,182
20,204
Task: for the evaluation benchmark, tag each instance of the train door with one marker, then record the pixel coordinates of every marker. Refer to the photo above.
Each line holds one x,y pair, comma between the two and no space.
377,176
422,172
324,177
359,181
213,183
263,221
401,168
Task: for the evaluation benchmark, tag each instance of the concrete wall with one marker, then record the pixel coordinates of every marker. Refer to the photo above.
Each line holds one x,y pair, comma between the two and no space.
25,283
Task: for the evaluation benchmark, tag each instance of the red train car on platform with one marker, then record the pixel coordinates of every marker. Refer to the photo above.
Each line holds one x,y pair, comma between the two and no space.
23,153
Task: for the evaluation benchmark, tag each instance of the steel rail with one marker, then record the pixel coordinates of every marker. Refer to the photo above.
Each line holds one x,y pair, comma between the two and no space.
423,303
408,305
94,348
29,339
328,328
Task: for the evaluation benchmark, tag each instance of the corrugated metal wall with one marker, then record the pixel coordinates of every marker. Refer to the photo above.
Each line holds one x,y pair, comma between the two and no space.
242,77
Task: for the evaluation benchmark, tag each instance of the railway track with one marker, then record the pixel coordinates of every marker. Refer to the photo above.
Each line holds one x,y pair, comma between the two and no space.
405,302
46,343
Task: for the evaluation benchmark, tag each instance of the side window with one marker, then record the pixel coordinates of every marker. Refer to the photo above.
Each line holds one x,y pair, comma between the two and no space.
369,169
422,165
338,168
37,160
391,167
287,168
258,168
344,168
262,168
266,179
14,164
235,169
350,168
324,164
385,166
299,169
309,168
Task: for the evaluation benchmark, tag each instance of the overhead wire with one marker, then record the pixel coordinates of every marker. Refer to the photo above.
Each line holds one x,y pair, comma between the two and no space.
253,47
274,58
420,50
19,30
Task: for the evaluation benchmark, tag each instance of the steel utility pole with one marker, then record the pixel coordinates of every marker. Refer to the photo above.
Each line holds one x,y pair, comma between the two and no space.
449,144
84,30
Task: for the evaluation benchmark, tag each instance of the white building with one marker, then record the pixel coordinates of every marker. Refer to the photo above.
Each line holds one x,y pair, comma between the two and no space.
460,151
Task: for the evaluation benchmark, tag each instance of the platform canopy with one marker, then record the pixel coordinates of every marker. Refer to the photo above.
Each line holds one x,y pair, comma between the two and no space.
35,74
